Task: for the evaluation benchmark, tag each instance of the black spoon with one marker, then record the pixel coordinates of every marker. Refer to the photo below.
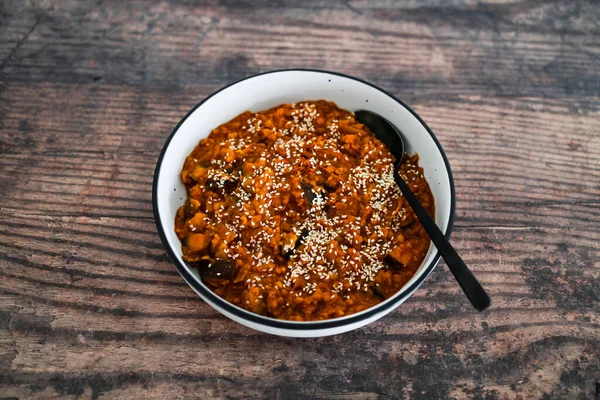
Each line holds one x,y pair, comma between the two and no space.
392,138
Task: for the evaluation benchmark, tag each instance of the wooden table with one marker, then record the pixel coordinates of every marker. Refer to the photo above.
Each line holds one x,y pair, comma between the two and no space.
90,307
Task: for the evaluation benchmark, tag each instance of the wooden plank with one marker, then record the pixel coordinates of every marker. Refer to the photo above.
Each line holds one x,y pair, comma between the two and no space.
46,324
461,48
107,118
403,357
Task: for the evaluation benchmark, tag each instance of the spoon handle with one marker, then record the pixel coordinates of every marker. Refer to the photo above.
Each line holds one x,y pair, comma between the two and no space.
469,284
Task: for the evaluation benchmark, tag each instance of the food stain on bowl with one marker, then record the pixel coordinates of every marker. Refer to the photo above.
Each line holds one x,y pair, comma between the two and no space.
293,213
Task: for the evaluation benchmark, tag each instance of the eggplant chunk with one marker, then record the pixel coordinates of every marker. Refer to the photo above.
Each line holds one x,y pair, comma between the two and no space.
392,262
308,192
216,269
399,258
378,292
406,220
329,188
286,251
226,181
190,208
283,250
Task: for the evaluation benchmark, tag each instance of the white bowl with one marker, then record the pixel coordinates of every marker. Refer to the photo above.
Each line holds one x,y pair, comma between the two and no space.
261,92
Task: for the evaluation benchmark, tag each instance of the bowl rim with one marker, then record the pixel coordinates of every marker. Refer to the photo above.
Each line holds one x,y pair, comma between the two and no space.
238,312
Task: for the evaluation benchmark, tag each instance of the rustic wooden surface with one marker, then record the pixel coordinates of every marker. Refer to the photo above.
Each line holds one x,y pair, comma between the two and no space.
90,307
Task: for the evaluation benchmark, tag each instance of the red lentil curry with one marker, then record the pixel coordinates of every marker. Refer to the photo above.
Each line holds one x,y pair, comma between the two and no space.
293,213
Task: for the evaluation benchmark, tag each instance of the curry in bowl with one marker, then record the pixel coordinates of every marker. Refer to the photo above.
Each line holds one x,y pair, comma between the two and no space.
293,213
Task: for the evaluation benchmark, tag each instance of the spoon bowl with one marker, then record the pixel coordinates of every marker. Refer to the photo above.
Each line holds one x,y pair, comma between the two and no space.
384,131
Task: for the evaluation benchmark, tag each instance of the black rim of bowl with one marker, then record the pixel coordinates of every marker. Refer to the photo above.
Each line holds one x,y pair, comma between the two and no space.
291,325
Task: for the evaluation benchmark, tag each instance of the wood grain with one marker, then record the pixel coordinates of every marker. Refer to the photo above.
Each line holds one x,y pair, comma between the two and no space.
90,307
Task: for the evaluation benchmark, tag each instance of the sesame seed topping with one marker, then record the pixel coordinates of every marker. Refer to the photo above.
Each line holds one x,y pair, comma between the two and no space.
304,203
